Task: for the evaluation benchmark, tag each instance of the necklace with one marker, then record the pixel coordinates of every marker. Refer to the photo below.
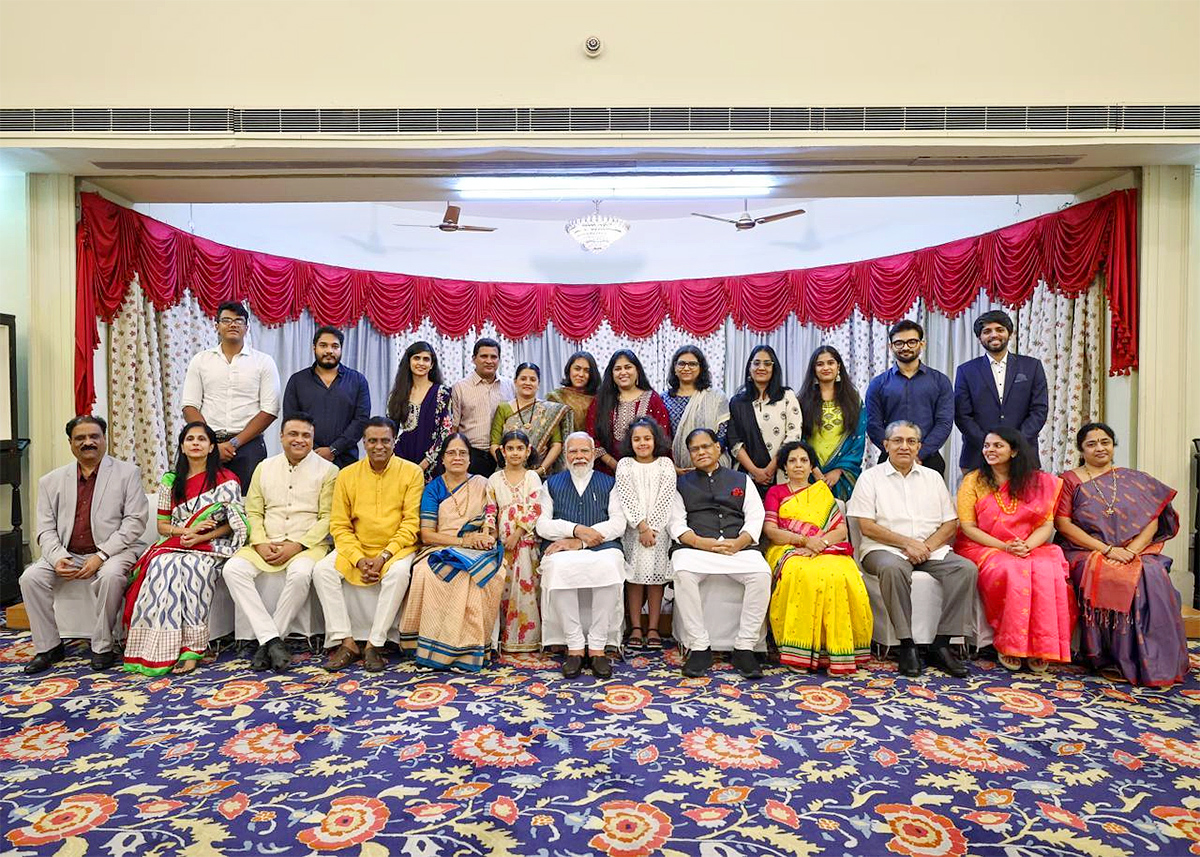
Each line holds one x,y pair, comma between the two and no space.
458,507
1110,506
1008,508
521,413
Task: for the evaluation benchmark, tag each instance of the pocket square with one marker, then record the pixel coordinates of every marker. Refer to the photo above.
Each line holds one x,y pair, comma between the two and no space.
1021,376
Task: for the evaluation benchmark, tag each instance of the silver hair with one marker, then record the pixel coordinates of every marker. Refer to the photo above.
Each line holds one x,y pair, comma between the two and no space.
578,434
897,424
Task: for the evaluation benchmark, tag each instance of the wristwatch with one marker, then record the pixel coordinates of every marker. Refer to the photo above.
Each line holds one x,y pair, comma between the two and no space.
103,556
333,451
386,555
235,443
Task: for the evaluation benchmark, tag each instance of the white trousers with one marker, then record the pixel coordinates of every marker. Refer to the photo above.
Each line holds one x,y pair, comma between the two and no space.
689,612
328,582
605,601
239,577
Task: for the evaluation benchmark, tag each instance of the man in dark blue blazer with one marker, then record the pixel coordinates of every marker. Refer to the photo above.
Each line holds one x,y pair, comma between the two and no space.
998,389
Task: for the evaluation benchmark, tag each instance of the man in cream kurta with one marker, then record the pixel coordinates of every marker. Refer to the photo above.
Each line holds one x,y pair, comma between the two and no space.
582,518
717,517
374,523
288,507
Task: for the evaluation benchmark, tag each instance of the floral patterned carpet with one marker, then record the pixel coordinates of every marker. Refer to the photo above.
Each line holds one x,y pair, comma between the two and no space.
518,761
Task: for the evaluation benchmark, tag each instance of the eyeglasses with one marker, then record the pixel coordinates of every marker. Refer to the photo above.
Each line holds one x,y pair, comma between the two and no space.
687,364
905,343
235,321
762,364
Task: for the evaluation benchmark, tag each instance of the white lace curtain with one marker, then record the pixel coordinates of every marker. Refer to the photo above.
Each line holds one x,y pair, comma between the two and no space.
149,352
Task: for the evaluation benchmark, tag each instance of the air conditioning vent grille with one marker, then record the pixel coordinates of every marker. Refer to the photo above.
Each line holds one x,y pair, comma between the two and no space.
584,120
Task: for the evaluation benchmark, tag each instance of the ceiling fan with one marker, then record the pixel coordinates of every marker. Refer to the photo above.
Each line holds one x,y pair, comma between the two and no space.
450,223
746,221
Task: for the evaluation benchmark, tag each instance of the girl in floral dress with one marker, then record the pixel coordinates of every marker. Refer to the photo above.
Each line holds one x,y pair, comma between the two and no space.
514,492
646,485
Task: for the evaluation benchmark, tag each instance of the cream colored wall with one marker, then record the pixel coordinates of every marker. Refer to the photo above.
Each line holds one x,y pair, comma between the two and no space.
369,53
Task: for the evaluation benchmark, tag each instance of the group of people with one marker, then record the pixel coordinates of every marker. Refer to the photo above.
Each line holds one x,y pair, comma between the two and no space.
485,516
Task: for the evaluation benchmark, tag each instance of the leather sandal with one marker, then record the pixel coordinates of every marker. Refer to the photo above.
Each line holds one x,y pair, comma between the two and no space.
341,658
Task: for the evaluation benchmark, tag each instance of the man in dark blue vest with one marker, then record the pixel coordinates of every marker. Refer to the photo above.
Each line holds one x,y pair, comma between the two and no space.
582,519
717,517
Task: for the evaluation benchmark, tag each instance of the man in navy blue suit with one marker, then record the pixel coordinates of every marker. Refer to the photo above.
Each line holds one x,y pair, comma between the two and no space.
998,389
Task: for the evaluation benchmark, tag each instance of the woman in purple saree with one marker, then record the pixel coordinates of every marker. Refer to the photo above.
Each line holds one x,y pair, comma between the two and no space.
1114,522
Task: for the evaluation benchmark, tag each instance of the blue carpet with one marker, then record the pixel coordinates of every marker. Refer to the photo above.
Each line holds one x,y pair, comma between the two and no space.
518,761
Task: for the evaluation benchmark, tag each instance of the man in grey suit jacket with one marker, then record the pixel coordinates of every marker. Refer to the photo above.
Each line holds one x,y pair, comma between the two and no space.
91,517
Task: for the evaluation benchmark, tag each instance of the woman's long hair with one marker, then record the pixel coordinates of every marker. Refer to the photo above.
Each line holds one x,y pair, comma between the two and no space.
775,386
606,397
1020,467
662,447
593,383
703,380
211,465
844,394
397,405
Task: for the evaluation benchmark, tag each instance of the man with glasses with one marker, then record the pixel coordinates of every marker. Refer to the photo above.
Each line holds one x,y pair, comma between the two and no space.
235,389
913,392
908,522
717,518
474,400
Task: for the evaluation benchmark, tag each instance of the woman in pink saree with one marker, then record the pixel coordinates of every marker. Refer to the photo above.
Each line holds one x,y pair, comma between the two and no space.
1006,523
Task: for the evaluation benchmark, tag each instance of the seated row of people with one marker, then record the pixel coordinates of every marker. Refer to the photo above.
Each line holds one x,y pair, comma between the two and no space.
477,556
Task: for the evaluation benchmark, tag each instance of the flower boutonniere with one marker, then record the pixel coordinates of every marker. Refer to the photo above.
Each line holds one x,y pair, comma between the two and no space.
737,492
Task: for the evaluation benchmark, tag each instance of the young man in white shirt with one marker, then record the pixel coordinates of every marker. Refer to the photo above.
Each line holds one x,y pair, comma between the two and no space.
234,389
908,522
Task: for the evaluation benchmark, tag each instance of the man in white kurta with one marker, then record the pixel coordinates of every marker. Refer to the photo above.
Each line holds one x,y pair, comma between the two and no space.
582,518
717,517
288,507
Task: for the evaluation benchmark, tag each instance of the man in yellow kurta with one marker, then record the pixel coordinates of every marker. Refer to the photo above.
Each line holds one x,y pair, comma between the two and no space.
374,523
288,507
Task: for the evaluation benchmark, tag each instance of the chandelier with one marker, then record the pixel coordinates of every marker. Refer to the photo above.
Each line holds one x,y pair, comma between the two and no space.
596,231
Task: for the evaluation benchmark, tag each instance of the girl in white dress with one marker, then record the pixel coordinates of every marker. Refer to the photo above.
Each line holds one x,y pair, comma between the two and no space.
645,485
514,490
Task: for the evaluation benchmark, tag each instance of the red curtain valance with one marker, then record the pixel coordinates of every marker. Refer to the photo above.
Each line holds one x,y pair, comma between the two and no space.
1065,249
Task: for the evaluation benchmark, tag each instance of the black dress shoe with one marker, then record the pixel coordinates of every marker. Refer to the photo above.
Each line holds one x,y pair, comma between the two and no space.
909,661
278,656
103,660
572,666
946,661
601,667
746,663
698,663
262,658
42,661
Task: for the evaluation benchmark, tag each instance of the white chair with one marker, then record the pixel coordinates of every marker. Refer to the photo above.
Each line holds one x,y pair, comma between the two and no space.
552,628
721,599
308,622
361,602
926,605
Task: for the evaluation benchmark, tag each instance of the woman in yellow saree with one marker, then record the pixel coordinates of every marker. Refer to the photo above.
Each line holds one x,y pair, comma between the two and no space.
820,615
